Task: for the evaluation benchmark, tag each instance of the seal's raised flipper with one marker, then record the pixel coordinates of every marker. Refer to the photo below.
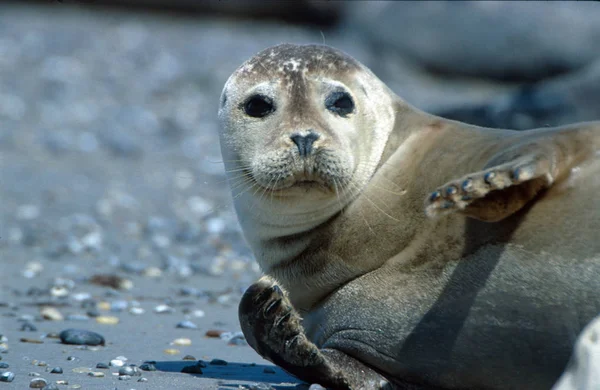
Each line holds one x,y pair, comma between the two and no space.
272,327
494,193
516,175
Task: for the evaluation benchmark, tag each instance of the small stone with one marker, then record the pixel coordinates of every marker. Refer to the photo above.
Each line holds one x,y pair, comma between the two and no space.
188,357
51,313
102,365
32,341
59,291
147,367
107,320
198,313
130,370
28,327
56,370
269,370
238,339
117,363
187,325
38,383
316,386
182,342
4,365
96,374
41,363
143,380
124,377
81,337
78,317
163,309
171,351
62,382
218,362
7,376
192,369
34,374
51,386
214,333
71,358
153,272
119,305
137,311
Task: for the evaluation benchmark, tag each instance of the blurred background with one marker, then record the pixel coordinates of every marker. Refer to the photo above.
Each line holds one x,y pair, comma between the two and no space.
109,156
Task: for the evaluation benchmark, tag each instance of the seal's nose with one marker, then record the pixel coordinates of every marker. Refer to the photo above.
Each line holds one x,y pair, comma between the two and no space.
305,142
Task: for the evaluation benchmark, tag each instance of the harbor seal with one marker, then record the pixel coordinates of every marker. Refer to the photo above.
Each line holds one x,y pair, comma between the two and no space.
401,249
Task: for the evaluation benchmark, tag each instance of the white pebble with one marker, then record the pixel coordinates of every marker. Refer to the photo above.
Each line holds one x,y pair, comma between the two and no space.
117,363
137,311
163,309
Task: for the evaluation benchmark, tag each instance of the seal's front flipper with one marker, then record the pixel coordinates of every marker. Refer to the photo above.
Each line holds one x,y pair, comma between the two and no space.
272,327
495,193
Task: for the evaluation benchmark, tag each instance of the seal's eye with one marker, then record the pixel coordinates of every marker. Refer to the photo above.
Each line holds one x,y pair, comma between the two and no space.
340,103
259,106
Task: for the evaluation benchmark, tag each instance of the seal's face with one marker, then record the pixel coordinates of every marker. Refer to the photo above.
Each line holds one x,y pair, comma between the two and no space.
296,125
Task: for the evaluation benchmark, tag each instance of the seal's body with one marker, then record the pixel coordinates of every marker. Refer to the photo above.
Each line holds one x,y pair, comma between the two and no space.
416,250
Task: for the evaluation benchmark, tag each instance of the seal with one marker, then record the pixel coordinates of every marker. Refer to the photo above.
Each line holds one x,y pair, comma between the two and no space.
401,249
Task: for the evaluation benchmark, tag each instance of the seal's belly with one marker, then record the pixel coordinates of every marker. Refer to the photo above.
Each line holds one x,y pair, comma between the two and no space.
492,323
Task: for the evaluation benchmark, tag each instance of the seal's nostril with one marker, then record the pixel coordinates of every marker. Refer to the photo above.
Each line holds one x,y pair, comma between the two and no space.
305,142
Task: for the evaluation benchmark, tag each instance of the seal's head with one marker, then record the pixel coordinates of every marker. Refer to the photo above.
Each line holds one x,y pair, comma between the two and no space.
302,130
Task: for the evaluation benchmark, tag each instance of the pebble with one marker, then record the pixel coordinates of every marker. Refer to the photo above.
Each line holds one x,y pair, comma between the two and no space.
187,325
124,377
130,370
51,313
188,357
107,320
59,291
102,365
32,341
198,313
81,370
119,305
218,362
269,370
56,370
214,333
4,365
163,309
192,369
78,317
7,376
81,337
38,383
62,382
147,367
316,386
71,358
182,342
117,363
171,351
137,311
51,386
96,374
143,380
28,326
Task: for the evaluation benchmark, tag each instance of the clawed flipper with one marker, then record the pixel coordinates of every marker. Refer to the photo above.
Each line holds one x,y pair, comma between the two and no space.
494,193
273,328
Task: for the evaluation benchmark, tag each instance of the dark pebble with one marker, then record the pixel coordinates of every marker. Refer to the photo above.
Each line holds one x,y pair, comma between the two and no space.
218,362
38,383
269,370
32,341
81,337
147,367
56,370
28,326
213,333
102,365
187,325
7,376
189,357
193,369
3,365
71,358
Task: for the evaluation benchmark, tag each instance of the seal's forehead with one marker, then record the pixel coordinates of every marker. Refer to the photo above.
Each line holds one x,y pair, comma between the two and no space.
287,59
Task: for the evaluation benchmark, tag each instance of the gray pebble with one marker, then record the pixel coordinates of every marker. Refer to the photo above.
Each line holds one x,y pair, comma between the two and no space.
3,365
78,317
28,326
51,386
56,370
218,362
124,377
147,367
102,365
38,383
143,380
130,370
7,376
187,325
81,337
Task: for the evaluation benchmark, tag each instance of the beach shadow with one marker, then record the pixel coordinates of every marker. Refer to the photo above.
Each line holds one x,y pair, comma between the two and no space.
247,372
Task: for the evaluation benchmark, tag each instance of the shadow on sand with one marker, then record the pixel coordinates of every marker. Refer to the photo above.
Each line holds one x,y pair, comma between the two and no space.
250,372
